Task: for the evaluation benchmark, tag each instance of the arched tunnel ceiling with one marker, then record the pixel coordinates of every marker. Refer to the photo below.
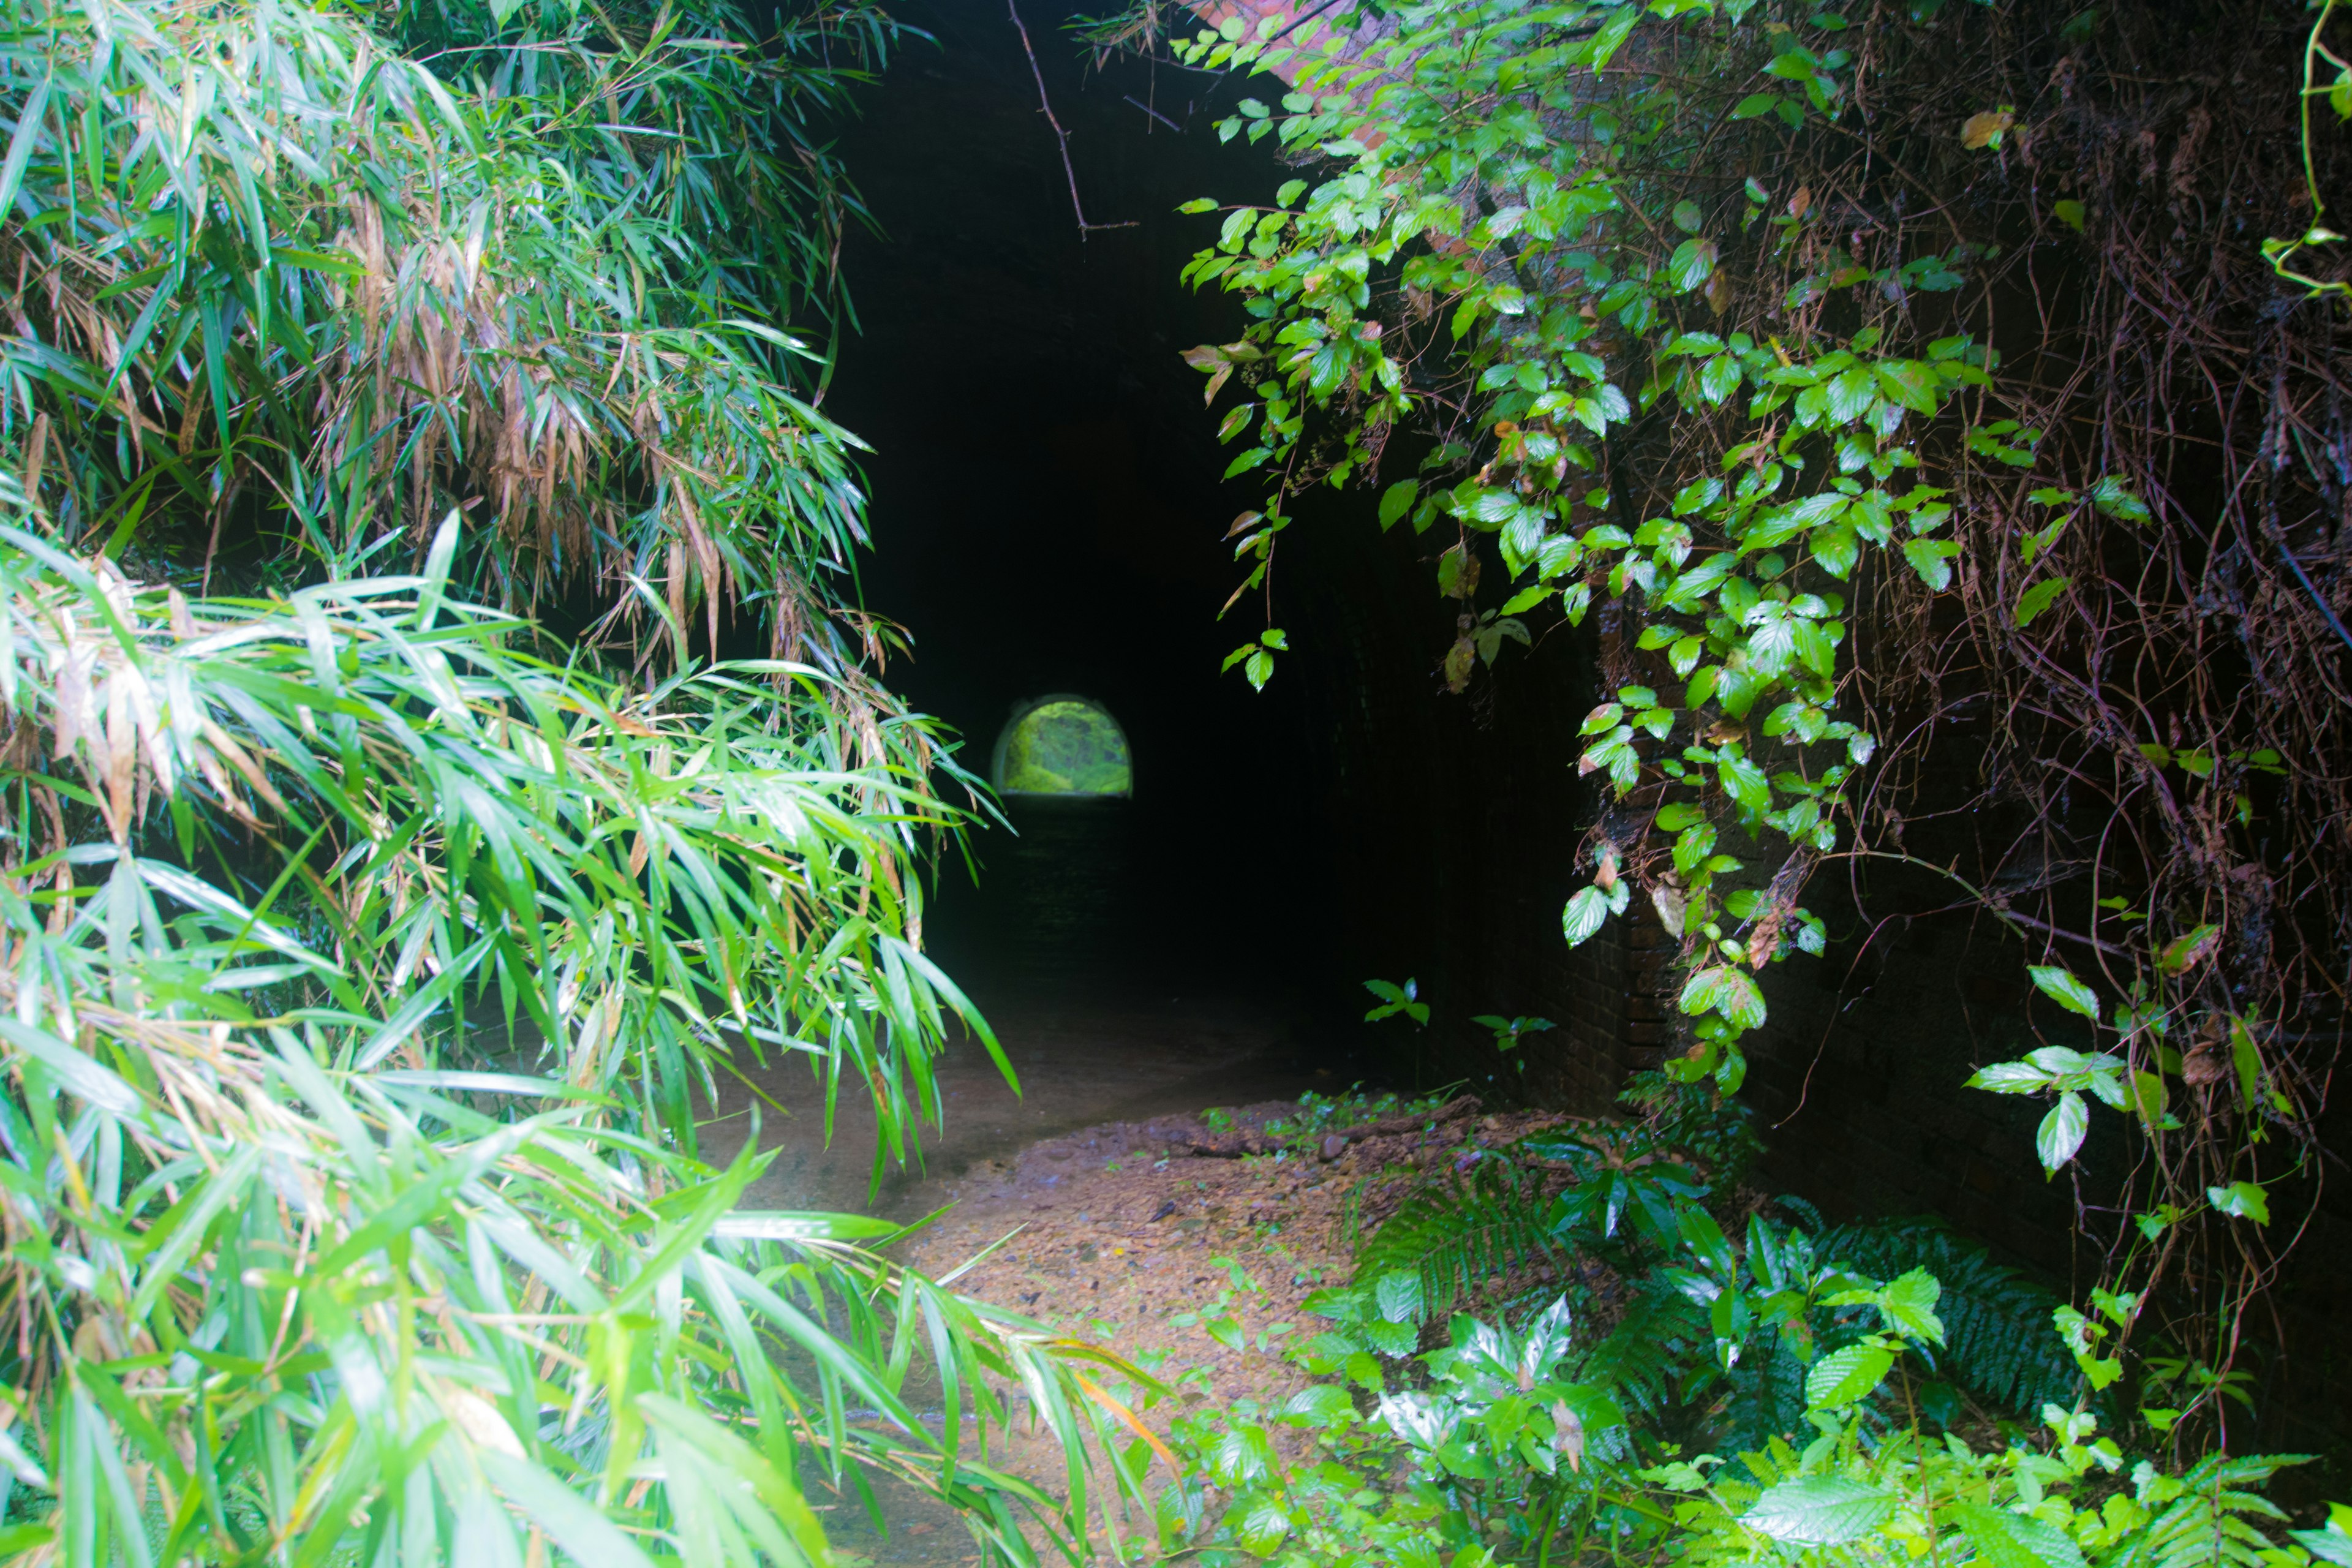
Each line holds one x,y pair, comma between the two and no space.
1047,508
1048,516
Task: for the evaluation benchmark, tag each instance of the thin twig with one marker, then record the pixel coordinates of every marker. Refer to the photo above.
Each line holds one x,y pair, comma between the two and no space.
1045,107
1154,113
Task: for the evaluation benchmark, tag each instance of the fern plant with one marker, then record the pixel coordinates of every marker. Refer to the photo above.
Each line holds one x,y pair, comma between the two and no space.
1716,1342
1998,1346
2205,1515
1452,1235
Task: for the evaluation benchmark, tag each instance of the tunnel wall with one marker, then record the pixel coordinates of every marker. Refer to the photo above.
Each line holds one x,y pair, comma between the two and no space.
1457,823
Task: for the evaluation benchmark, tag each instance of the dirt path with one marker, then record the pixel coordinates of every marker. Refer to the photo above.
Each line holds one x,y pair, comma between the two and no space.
1196,1267
1079,1065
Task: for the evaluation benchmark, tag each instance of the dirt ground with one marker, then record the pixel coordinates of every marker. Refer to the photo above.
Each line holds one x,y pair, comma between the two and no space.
1119,1234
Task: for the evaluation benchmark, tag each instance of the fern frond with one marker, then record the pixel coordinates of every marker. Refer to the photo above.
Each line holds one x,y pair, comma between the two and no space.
1461,1234
2208,1522
1999,1344
1644,1359
1765,1397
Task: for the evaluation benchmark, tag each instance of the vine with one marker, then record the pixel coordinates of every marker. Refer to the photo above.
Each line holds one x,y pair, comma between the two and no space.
1941,465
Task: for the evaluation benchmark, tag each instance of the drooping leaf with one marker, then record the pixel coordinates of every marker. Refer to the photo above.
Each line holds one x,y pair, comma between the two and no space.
2061,1131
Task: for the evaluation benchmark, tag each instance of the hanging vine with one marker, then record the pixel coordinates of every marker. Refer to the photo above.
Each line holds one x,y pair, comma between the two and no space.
1962,473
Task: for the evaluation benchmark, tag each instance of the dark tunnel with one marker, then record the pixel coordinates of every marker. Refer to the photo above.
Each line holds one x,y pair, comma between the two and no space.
1046,513
1048,517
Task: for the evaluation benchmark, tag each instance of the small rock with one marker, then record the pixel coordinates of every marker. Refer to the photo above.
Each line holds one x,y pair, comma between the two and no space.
1333,1146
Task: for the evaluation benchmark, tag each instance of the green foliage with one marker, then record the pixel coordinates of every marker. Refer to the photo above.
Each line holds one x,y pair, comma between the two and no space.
1716,1339
1450,1238
547,276
1066,748
367,953
1538,1443
1605,264
1392,999
1998,1347
268,854
1318,1115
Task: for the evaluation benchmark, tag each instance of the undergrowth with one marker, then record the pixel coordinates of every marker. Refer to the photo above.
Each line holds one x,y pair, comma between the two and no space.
1666,1367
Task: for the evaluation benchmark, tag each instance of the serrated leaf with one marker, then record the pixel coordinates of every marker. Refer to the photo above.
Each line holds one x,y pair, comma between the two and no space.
1397,1294
1909,1306
1398,500
2059,986
1691,265
2063,1131
1729,992
1845,1375
2010,1078
1932,559
2241,1200
1718,378
2037,598
2004,1539
1819,1510
1585,914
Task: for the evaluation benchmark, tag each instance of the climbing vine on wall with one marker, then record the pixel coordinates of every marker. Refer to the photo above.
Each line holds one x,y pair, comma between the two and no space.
1950,478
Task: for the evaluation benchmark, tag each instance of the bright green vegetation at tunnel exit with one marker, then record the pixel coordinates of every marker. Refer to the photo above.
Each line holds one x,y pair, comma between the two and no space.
1066,748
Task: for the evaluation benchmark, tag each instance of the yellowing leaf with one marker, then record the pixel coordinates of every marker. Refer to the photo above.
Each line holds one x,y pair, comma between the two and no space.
1984,129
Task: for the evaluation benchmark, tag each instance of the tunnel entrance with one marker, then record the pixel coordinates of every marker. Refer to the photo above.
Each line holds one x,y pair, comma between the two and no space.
1063,745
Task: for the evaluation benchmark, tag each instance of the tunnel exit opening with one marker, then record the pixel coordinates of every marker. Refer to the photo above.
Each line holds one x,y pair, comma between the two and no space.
1063,745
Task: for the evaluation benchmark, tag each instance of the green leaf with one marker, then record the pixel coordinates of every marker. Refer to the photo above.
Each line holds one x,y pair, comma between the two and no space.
1821,1510
1692,264
2010,1078
2063,1131
1932,559
1398,500
2037,598
2241,1200
1744,782
1719,377
1726,991
2186,951
1587,911
2247,1056
1846,1375
569,1520
1908,1304
2061,986
1398,1296
2004,1539
1908,384
1320,1404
